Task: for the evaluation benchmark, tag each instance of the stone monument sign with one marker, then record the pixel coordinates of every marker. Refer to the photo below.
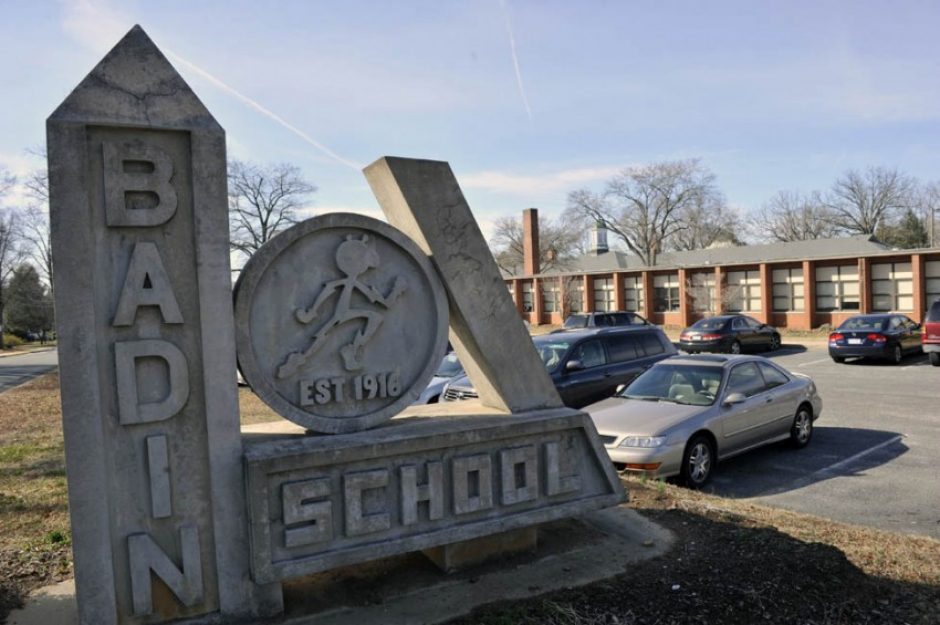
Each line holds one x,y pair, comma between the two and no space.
339,323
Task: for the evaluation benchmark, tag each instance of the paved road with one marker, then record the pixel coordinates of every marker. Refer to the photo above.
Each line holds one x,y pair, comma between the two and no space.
875,454
15,370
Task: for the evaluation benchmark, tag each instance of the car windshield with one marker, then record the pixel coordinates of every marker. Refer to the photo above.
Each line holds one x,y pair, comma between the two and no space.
714,323
449,367
551,350
864,323
933,315
576,321
695,385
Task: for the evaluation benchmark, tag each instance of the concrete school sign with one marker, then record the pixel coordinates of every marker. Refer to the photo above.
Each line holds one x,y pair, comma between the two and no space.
176,515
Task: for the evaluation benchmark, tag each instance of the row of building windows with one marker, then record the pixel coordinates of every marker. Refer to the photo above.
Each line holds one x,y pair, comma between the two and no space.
837,289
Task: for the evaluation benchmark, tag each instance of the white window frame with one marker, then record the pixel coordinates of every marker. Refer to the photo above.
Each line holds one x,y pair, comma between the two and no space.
745,289
843,278
528,299
604,297
703,282
633,295
931,282
551,296
789,288
893,283
668,282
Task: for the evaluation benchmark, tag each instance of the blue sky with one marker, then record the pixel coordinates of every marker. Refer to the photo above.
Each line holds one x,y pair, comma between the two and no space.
770,95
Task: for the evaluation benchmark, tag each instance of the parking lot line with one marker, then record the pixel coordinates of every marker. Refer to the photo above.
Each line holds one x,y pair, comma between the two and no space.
813,362
832,469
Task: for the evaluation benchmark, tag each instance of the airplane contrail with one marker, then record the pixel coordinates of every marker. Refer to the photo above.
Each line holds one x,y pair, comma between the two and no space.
515,58
267,113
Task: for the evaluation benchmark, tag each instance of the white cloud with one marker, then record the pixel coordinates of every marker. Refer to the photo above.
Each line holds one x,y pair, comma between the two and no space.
537,184
95,25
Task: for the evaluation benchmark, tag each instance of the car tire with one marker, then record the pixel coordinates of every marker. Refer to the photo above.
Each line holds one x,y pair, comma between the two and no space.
897,355
801,432
838,359
935,359
698,461
735,347
774,342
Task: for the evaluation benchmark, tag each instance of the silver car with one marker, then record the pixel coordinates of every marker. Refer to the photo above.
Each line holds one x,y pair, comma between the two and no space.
688,412
449,369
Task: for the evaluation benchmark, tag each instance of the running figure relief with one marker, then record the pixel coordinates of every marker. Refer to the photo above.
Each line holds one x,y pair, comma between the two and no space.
354,257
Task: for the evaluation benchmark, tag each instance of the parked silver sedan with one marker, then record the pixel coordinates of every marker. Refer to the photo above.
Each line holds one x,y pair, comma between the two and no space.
686,413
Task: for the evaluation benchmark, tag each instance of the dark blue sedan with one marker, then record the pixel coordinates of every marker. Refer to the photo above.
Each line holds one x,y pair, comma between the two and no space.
730,334
887,337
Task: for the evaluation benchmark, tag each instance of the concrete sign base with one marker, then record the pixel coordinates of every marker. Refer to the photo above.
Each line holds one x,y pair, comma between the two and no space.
316,503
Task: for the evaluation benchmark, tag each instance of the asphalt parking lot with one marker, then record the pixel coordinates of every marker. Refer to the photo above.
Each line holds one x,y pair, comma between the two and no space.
875,456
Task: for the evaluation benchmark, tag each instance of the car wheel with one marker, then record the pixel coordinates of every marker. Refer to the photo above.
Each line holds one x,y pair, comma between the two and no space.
775,342
896,355
802,430
735,347
935,359
838,359
697,462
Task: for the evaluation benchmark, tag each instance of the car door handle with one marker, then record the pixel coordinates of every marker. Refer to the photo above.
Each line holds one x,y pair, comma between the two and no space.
768,400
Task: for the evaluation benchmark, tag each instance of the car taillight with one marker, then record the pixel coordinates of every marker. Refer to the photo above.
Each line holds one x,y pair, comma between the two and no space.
836,336
684,335
711,337
877,338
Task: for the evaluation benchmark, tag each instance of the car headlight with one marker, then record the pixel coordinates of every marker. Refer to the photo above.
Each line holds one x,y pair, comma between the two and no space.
643,441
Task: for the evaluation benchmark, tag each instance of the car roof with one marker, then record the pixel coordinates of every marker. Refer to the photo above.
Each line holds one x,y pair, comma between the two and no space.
715,360
579,333
721,317
877,315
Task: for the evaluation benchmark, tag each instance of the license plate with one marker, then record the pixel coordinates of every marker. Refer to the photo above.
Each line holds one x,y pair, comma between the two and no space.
696,338
855,341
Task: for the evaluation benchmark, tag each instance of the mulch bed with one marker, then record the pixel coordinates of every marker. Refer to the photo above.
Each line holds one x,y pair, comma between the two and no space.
727,570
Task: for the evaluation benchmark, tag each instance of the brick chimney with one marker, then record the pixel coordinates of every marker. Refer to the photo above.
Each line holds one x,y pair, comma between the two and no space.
530,241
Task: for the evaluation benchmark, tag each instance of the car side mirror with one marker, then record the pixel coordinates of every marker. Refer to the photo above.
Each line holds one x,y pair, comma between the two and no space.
620,388
734,398
574,365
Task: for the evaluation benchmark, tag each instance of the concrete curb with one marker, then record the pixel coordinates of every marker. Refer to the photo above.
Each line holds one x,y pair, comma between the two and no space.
30,351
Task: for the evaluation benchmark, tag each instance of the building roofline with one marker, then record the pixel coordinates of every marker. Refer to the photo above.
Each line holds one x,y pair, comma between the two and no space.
777,261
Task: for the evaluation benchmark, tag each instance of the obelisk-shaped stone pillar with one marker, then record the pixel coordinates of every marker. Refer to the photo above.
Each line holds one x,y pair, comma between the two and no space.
137,175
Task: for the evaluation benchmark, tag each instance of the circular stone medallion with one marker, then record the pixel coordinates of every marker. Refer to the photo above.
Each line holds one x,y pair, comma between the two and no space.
341,321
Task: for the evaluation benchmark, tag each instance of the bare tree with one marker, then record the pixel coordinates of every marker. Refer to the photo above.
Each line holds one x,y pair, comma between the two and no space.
792,216
647,206
263,201
571,297
35,223
862,201
708,224
10,253
929,200
559,242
